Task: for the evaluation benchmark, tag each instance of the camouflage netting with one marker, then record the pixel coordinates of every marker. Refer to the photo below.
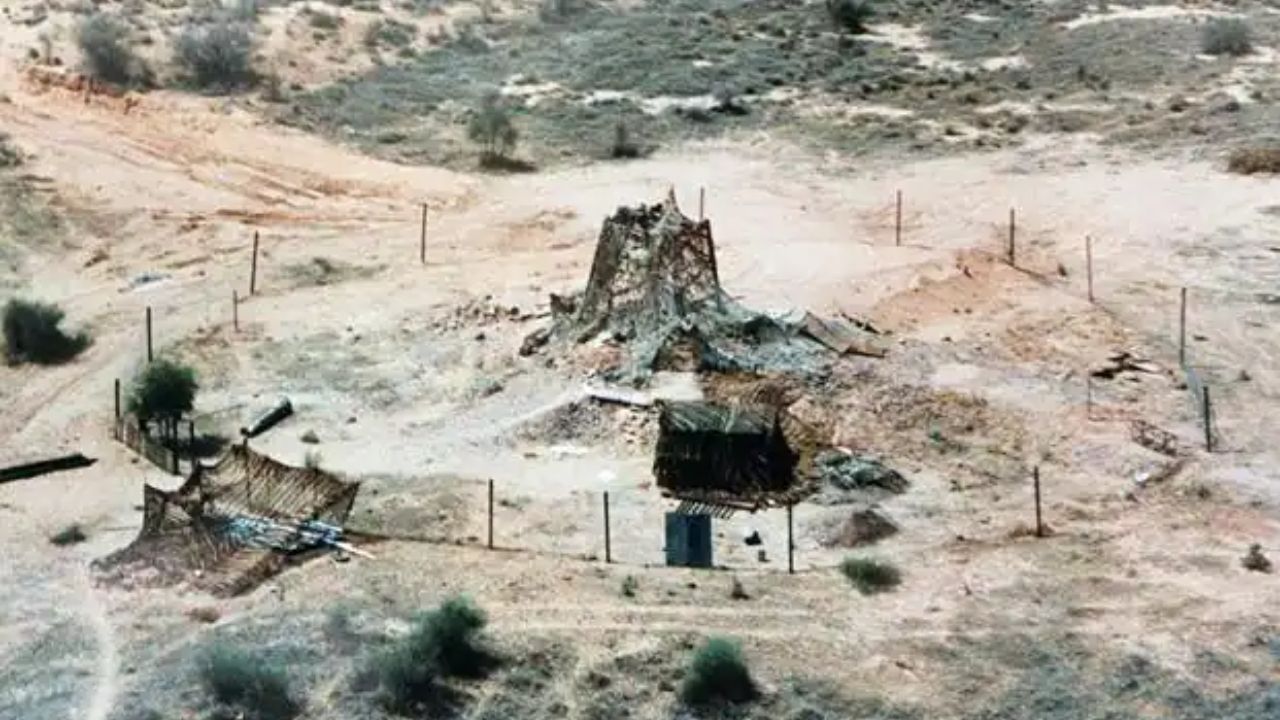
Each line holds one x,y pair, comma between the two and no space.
655,290
192,533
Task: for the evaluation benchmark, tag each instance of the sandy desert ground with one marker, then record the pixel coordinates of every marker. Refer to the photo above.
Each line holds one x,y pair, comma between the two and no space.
408,374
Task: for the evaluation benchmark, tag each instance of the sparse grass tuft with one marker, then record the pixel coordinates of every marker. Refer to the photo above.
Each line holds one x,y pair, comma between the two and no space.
718,674
1226,36
31,334
1248,161
216,55
69,535
870,576
629,586
234,677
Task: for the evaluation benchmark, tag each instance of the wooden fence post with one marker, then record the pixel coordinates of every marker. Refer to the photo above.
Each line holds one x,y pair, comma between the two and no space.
1012,230
235,310
1088,263
490,513
253,269
897,221
702,203
1206,408
1182,330
791,546
608,548
191,440
1039,519
149,354
1088,396
422,245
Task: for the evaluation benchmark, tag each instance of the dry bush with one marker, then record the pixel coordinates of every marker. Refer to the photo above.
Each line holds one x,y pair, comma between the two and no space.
70,535
104,42
217,55
206,614
1249,161
1226,36
870,576
851,15
31,334
718,674
443,643
236,678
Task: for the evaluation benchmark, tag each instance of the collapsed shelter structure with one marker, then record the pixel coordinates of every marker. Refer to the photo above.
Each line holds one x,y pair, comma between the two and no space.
654,289
236,522
711,451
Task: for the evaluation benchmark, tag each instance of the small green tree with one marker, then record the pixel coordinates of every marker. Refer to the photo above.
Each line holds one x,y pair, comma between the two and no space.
163,391
492,129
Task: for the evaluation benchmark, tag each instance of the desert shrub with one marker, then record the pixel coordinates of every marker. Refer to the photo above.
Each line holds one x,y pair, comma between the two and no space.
164,390
452,630
623,145
1226,36
322,20
10,155
235,677
870,576
492,129
31,334
718,674
442,642
851,15
216,55
390,32
554,10
629,586
68,535
104,42
1248,161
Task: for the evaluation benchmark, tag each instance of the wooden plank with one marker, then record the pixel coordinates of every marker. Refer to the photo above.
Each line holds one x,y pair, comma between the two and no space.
43,467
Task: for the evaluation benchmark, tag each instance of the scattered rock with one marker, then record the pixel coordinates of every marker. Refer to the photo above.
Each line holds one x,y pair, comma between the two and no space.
309,437
1254,560
736,591
862,527
1245,376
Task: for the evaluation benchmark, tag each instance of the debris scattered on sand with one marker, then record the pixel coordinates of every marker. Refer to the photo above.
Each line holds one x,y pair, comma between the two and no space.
1121,363
847,478
1153,438
1254,560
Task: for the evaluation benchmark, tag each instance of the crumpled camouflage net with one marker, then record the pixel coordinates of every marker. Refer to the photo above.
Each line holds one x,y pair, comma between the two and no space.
655,289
